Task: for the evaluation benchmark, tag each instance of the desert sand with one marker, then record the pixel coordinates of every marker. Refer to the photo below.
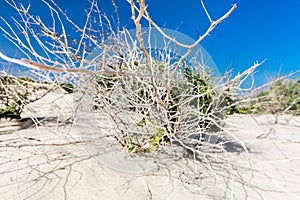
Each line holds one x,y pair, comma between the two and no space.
53,158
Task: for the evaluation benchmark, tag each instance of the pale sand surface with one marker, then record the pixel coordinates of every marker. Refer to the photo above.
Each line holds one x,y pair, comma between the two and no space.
51,162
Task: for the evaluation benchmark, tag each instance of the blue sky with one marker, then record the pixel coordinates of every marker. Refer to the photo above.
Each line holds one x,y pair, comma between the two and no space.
257,29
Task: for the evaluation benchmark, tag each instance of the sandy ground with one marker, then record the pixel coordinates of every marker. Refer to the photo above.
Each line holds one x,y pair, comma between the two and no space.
48,159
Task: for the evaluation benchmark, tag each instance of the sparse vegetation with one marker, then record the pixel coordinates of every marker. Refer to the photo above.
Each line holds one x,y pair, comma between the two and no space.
16,92
282,96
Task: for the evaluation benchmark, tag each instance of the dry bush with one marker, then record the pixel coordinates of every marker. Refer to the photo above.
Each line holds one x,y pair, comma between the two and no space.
151,109
156,102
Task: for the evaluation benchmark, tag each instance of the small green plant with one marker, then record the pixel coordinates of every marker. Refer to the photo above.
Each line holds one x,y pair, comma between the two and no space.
13,94
157,137
130,145
13,110
148,143
69,88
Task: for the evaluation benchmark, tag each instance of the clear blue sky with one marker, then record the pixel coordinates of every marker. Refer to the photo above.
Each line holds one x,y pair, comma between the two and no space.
257,30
